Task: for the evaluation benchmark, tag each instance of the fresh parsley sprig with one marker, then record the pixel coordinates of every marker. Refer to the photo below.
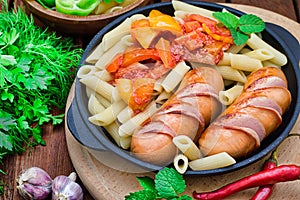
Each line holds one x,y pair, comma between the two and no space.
36,73
242,27
168,184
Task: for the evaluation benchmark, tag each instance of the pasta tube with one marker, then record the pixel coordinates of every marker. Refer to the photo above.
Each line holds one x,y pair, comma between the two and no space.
187,147
181,163
228,96
109,115
212,162
175,76
256,42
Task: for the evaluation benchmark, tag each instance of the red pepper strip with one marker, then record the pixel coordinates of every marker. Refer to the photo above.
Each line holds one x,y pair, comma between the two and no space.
201,19
264,192
191,26
282,173
115,64
137,55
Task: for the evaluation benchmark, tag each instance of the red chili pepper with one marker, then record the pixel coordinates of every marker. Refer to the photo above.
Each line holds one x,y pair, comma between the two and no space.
264,192
278,174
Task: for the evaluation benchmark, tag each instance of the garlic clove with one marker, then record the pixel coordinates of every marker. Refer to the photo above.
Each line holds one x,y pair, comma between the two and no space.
65,188
34,183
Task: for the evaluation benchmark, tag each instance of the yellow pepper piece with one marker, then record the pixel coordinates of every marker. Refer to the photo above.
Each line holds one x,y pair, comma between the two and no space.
164,21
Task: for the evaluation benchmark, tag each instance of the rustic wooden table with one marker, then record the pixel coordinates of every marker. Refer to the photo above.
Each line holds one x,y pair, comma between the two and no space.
54,157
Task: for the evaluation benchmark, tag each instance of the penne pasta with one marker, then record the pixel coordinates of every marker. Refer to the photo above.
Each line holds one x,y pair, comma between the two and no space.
125,114
86,70
129,126
229,73
127,40
244,50
187,147
212,162
112,129
268,63
104,102
94,106
163,97
225,60
114,36
260,54
228,96
107,56
158,87
101,87
256,42
103,75
245,63
175,76
96,54
182,6
235,49
181,163
125,142
109,115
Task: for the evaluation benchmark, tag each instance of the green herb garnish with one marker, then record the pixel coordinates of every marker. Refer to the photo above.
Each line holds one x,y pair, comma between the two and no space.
168,184
240,28
36,73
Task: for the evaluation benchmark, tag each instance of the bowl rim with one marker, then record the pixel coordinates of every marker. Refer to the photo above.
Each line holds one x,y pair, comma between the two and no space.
240,164
38,8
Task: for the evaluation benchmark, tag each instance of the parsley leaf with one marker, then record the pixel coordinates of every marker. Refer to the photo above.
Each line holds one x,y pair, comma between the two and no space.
240,28
36,73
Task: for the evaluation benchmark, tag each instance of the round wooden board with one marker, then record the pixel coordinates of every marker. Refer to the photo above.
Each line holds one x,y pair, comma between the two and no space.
106,183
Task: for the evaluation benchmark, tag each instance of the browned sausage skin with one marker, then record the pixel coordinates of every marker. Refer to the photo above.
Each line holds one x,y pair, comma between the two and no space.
253,115
187,112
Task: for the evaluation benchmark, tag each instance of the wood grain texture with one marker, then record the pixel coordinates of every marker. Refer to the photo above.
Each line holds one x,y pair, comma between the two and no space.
282,7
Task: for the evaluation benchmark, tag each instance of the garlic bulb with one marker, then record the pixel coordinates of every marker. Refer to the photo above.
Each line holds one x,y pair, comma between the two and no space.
65,188
34,183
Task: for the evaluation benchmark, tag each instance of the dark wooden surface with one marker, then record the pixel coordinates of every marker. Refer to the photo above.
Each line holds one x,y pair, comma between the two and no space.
54,157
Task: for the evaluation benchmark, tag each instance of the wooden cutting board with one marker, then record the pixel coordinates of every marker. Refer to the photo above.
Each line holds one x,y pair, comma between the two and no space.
106,183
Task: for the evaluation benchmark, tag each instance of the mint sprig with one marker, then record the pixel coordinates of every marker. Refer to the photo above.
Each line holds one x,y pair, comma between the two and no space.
240,28
168,184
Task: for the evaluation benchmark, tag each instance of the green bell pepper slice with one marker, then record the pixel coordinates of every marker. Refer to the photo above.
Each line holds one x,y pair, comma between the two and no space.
76,7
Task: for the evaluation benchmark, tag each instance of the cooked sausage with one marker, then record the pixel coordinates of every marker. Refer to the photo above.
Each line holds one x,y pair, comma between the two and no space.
252,117
187,112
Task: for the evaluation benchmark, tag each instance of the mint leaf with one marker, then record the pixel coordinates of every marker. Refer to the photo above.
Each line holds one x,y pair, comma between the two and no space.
169,183
239,38
228,19
142,195
146,182
251,24
240,28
